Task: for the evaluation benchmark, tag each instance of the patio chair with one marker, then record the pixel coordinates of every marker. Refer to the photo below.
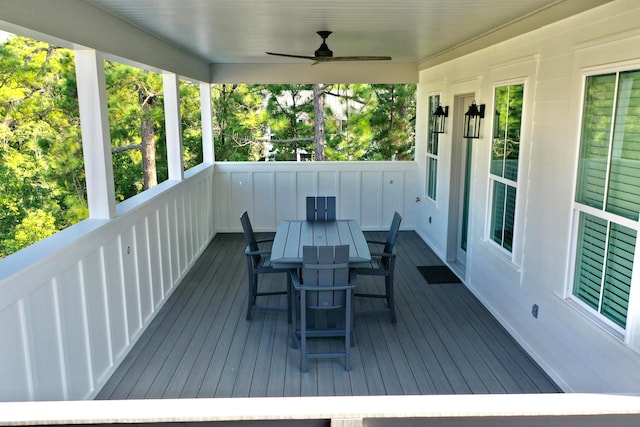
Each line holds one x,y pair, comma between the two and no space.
321,208
382,264
326,299
259,262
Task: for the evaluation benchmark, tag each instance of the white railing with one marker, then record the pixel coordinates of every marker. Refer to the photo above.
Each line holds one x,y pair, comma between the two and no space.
369,192
73,305
567,410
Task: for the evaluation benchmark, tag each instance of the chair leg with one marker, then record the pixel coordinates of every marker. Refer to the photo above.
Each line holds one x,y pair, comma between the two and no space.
348,325
390,301
253,286
303,332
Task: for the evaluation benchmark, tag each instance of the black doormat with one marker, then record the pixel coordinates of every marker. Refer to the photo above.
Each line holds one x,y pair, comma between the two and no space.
436,274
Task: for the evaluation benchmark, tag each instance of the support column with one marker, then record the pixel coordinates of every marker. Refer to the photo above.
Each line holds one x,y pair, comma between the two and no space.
173,125
96,139
206,111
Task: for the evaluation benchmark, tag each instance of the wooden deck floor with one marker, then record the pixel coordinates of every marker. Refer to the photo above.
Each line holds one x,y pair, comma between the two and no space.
200,345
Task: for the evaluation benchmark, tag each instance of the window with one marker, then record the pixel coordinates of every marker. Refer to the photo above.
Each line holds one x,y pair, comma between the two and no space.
608,194
432,150
505,150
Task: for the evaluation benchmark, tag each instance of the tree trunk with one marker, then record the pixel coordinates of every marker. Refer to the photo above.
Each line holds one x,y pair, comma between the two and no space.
149,154
318,107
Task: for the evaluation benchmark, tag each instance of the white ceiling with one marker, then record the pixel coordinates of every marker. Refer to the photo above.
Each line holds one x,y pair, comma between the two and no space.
411,31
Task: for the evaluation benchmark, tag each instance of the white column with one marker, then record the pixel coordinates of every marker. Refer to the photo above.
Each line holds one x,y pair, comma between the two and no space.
96,140
173,126
208,153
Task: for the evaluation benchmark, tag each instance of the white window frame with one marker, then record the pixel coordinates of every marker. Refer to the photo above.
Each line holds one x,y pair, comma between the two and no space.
514,255
627,334
430,156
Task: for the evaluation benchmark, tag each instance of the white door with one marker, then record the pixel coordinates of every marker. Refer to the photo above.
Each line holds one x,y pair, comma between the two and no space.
457,234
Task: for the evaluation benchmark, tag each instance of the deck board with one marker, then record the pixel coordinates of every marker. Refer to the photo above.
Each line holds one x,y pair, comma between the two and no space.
200,345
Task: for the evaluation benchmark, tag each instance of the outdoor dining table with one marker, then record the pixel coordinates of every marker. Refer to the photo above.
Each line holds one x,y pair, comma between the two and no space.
293,235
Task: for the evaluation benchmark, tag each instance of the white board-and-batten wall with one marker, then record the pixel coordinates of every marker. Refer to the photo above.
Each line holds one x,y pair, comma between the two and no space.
571,345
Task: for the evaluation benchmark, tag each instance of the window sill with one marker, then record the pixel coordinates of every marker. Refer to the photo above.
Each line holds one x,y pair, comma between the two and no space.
590,315
501,254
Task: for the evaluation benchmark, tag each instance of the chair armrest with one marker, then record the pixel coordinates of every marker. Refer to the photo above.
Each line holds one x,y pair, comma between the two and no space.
249,252
325,288
383,255
295,279
264,240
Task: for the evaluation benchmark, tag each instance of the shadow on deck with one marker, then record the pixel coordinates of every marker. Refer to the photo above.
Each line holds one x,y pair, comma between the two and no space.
200,345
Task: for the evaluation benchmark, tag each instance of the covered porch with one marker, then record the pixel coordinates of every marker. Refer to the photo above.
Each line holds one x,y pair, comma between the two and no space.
200,345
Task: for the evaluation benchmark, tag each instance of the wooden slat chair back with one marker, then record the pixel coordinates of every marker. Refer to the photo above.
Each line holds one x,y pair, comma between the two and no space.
259,262
325,306
321,208
382,264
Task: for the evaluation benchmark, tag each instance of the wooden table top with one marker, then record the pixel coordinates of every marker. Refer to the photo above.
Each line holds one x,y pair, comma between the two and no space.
292,235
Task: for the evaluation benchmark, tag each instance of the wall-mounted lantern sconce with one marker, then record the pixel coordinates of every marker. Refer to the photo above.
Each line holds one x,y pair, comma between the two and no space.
438,118
472,119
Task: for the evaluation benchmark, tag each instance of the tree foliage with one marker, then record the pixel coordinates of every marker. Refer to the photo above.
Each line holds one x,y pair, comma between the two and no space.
367,122
42,185
42,177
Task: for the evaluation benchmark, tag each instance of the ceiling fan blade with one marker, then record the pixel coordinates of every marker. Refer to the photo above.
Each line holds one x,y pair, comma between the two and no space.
290,56
353,58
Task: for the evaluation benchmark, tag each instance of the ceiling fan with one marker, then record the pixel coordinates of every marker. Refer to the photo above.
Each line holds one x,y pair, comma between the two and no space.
324,54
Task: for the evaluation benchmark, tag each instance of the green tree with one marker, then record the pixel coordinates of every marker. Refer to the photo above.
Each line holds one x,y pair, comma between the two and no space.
239,121
290,109
136,121
41,167
191,123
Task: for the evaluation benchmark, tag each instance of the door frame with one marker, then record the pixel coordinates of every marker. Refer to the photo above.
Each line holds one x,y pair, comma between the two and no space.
456,257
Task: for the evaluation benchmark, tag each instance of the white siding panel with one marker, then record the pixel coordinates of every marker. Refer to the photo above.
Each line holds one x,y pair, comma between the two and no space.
74,327
189,226
141,247
347,205
327,183
241,189
285,195
97,314
175,241
181,232
46,344
131,288
263,201
165,239
306,185
392,195
14,368
370,199
155,259
116,300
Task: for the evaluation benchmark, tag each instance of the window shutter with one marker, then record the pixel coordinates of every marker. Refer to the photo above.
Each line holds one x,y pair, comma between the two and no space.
617,283
592,237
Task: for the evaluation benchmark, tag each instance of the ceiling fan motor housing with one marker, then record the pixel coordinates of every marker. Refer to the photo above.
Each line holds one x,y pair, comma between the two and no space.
324,51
